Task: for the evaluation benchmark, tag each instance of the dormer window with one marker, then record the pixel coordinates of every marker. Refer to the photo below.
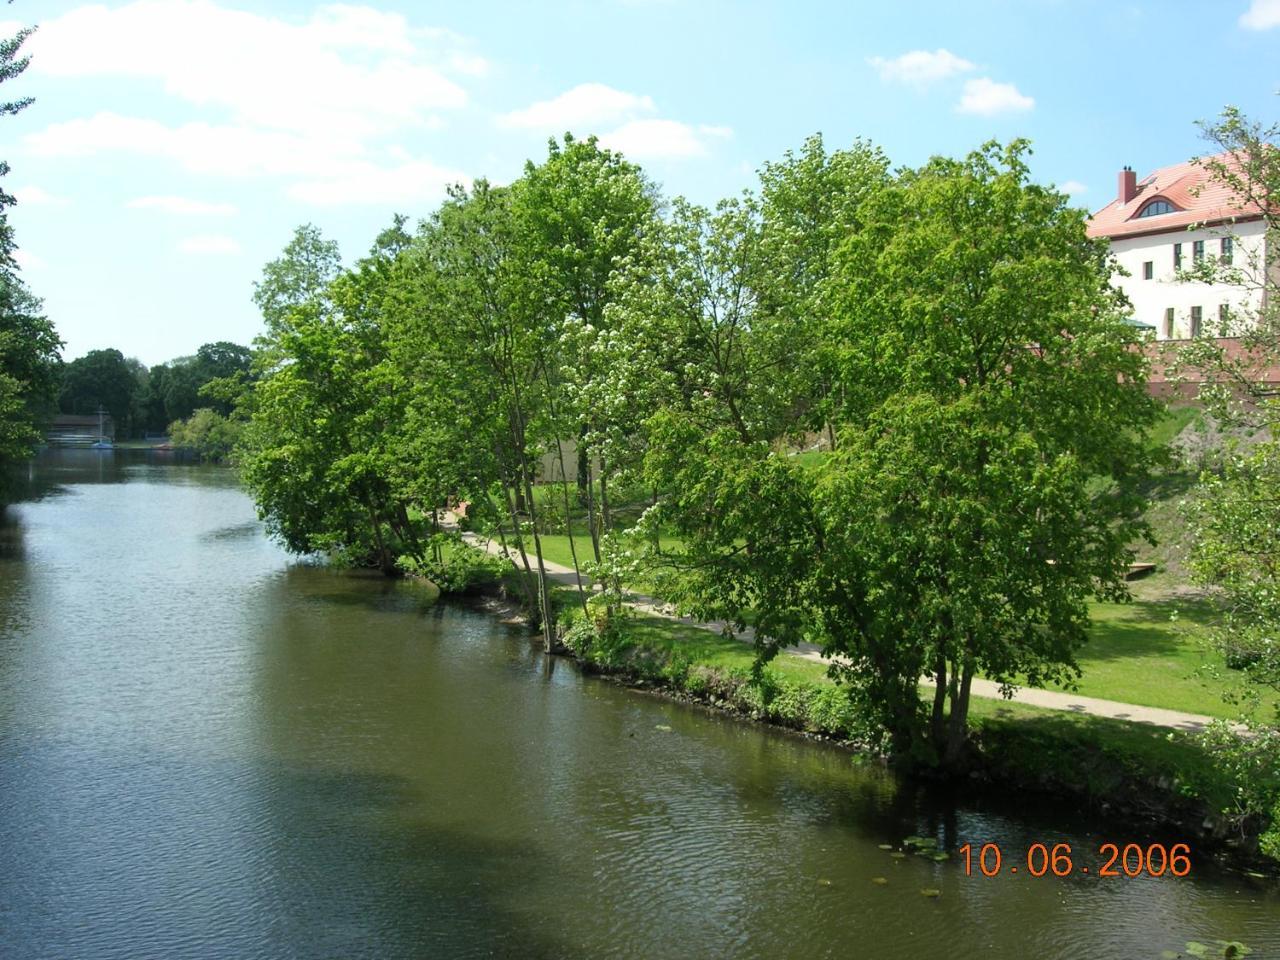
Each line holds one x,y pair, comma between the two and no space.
1155,208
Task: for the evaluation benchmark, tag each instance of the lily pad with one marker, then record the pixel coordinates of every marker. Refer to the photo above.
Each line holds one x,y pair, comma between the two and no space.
886,846
880,881
663,727
824,882
930,892
1169,955
1197,949
920,842
898,855
938,856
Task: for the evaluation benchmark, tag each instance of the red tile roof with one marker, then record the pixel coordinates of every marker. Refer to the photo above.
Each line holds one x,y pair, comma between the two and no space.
1196,198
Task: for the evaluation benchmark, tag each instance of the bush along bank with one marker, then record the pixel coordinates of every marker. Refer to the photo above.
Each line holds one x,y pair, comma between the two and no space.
1130,774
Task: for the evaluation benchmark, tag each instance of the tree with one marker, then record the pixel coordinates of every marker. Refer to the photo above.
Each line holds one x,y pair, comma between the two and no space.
809,203
501,332
29,347
301,275
208,433
992,477
100,378
987,482
1235,513
319,448
578,215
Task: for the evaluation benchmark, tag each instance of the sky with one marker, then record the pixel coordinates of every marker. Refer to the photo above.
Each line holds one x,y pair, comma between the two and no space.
175,144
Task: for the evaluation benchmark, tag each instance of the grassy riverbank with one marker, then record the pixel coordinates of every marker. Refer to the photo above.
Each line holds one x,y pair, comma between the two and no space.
1132,771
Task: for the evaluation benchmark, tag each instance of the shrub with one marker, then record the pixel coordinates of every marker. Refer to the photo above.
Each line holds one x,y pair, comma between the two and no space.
208,433
459,569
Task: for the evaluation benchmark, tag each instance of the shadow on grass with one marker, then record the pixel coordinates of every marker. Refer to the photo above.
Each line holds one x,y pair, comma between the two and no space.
1151,628
1098,754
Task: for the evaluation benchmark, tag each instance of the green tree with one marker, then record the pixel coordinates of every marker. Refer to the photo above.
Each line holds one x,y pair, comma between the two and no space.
301,275
29,347
208,433
318,450
1236,510
579,214
992,415
500,333
992,477
100,378
810,202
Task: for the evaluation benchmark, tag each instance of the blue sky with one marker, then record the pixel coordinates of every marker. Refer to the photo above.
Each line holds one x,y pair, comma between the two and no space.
175,144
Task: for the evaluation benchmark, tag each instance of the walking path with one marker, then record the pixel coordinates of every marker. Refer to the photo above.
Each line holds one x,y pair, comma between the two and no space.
987,689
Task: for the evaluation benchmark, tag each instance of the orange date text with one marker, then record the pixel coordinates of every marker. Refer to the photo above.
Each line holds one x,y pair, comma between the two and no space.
1110,860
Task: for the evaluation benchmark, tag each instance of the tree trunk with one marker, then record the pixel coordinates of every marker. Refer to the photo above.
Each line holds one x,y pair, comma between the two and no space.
591,521
527,579
568,527
937,720
958,735
544,593
584,466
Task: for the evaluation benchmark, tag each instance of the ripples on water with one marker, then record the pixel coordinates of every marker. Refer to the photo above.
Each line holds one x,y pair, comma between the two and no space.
208,751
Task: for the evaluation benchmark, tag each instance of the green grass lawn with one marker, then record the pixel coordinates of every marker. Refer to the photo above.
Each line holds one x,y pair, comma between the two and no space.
1155,653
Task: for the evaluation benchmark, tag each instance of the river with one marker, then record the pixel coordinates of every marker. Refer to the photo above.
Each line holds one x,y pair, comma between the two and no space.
209,749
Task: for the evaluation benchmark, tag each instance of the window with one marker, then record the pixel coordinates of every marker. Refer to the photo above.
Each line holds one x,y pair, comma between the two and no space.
1197,252
1197,314
1177,256
1148,270
1168,323
1224,315
1155,208
1228,249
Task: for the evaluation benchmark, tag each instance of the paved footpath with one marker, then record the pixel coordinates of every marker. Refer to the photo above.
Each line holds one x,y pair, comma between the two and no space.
1050,699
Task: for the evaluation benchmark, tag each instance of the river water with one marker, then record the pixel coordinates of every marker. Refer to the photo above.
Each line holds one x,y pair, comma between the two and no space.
209,749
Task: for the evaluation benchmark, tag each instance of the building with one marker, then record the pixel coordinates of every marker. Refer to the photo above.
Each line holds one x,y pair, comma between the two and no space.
72,430
1173,219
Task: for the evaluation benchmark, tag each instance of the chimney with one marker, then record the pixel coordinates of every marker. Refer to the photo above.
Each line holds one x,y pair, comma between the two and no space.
1128,185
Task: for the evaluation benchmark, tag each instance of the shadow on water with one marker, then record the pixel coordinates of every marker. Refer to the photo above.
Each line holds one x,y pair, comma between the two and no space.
236,531
222,861
406,888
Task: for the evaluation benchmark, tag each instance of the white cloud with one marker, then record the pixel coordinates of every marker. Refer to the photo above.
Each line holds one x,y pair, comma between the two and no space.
182,206
1261,15
349,71
655,139
920,67
34,196
209,243
327,173
987,98
27,261
230,150
582,109
629,128
1073,188
367,183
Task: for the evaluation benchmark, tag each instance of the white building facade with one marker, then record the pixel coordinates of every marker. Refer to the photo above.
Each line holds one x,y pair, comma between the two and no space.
1171,221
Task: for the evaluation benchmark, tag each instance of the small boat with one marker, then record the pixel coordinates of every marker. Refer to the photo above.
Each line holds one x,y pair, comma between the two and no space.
103,442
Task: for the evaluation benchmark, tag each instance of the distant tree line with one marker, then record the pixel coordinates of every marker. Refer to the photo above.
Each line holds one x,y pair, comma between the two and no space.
147,401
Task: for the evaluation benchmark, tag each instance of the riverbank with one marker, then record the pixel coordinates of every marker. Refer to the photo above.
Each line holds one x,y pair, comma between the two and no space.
1134,775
